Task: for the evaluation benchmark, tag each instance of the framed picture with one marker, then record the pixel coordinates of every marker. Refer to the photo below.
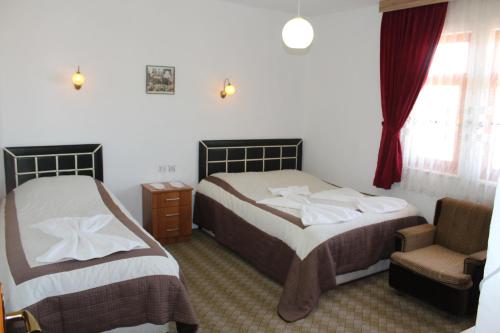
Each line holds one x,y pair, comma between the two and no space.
160,80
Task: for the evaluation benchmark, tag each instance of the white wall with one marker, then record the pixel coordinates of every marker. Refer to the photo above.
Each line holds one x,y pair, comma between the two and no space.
329,95
42,42
342,111
488,312
2,175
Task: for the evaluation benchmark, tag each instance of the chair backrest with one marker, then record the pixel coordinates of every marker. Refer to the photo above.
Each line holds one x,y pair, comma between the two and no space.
462,226
2,312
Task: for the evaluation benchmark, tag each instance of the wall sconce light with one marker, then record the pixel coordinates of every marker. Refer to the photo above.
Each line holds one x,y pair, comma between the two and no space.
78,79
228,89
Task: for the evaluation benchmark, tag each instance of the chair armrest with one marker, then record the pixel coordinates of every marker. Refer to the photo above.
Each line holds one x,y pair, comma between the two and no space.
414,238
474,263
27,318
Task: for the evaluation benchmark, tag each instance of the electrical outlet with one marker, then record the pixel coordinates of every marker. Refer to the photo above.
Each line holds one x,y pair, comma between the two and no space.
171,168
162,169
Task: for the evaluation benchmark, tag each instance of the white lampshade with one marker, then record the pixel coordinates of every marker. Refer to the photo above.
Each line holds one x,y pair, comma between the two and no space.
298,33
78,79
230,89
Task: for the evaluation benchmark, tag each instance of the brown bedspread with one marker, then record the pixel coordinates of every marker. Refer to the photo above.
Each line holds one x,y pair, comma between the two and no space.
303,280
157,299
151,299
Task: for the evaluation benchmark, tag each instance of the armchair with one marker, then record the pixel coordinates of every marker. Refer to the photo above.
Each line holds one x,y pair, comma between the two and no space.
443,263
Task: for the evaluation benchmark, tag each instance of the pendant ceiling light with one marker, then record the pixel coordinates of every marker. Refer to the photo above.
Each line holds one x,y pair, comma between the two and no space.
298,33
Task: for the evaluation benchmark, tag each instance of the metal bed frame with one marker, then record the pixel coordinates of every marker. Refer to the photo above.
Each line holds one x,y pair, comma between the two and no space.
26,163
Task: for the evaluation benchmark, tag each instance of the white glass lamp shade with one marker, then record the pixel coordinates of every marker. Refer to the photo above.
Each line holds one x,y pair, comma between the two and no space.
298,33
230,89
78,79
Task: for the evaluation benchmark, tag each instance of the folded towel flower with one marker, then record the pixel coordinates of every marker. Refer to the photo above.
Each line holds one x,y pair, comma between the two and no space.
313,213
343,194
366,204
290,190
291,201
80,239
381,204
326,214
332,206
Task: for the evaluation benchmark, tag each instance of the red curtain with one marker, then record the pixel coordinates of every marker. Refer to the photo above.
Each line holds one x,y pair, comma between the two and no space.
409,39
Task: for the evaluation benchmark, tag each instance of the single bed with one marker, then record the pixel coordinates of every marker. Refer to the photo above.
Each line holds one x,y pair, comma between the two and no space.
139,289
307,261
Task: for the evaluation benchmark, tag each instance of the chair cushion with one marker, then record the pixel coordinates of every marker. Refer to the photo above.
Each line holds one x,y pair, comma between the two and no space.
437,263
462,226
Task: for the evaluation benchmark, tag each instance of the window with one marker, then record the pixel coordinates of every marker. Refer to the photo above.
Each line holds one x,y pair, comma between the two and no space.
491,170
451,140
434,128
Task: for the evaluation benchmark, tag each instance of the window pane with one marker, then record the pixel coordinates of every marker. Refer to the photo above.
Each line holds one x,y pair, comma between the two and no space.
492,167
496,155
496,66
435,127
496,134
450,58
433,132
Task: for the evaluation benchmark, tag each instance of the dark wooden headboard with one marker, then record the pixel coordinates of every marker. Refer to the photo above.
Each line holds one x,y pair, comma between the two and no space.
25,163
248,155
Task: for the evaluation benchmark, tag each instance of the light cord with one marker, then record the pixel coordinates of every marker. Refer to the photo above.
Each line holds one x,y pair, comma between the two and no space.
298,8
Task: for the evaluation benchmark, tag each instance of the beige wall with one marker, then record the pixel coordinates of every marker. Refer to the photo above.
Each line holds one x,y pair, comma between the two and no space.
42,42
342,114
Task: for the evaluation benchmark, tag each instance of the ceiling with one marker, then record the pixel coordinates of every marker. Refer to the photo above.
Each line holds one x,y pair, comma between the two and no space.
309,7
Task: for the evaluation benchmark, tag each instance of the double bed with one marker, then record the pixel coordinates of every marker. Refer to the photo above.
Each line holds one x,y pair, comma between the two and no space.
139,289
307,260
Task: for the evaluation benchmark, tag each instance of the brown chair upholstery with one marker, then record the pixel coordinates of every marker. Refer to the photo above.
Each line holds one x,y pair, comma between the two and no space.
444,263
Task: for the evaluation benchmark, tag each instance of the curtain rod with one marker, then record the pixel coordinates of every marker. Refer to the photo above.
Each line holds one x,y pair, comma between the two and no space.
392,5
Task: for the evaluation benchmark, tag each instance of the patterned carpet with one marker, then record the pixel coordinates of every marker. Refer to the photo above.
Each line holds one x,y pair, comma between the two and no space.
230,296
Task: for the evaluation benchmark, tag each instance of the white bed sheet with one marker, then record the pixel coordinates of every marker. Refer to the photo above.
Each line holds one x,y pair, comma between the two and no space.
19,296
254,185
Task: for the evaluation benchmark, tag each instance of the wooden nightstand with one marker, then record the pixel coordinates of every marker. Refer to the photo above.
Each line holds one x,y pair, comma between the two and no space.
166,213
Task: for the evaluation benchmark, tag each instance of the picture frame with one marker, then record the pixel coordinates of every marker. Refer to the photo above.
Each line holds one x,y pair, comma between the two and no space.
160,80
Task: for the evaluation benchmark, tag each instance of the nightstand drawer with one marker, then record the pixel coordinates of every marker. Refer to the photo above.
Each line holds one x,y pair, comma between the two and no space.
184,213
169,227
174,198
169,211
170,220
169,199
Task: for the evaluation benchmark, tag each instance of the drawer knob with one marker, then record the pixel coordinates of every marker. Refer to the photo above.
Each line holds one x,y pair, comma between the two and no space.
170,215
172,199
173,229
